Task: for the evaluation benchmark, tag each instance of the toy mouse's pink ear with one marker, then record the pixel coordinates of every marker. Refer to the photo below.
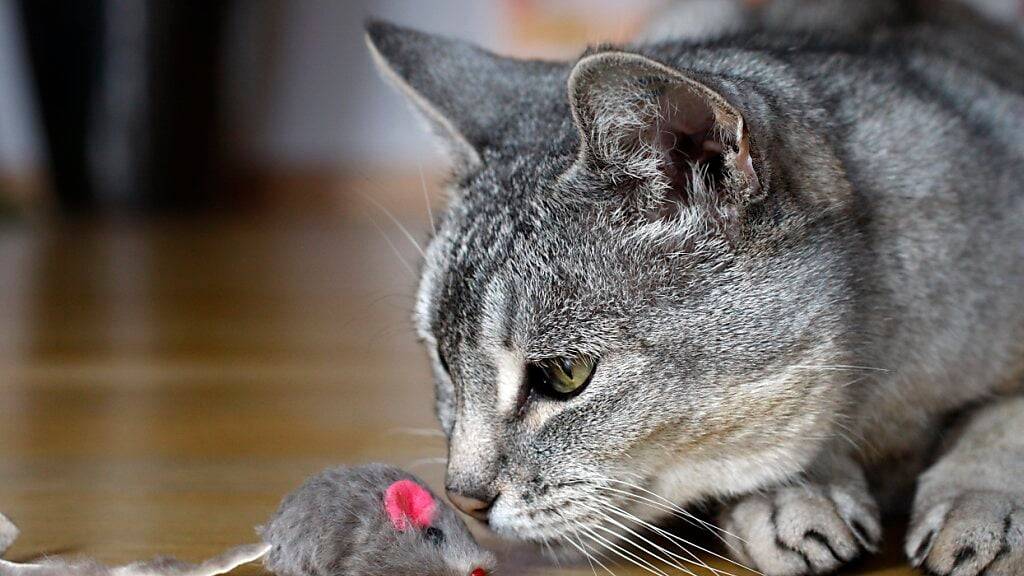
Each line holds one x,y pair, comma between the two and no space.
409,505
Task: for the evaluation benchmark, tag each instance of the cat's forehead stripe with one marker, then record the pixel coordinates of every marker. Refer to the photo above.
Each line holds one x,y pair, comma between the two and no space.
509,380
495,327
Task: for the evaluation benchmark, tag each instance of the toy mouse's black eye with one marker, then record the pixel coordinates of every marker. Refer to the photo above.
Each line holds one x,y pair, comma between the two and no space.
435,535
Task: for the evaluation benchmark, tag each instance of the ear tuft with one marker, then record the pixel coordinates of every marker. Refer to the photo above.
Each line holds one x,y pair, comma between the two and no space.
409,505
673,140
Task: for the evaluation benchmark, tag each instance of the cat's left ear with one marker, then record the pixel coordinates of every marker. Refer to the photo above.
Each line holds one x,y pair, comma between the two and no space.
668,137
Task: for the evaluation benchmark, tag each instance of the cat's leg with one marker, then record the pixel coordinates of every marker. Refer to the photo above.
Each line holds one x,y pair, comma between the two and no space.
968,516
807,529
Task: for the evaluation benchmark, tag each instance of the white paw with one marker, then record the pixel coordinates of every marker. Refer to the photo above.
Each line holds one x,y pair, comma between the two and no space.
970,534
802,530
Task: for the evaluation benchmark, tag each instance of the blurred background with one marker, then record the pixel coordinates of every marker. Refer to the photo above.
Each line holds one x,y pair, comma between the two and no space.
210,219
156,106
153,105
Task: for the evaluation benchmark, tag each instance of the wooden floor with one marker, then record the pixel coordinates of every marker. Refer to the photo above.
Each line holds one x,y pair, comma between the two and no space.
164,384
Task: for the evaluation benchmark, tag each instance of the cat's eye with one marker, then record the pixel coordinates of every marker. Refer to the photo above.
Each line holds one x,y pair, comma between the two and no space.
561,378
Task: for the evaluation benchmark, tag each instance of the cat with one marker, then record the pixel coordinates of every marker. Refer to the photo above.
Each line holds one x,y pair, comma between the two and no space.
779,271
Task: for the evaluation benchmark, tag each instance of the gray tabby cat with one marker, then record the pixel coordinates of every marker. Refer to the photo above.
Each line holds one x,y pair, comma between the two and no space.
780,271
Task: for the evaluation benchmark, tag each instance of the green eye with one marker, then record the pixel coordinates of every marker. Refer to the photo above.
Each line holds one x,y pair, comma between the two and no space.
561,378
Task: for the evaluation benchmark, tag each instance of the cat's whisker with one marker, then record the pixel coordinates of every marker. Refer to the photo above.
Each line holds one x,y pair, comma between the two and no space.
394,220
398,253
441,461
586,553
672,508
854,381
844,432
551,553
837,367
427,432
622,553
662,563
671,560
426,198
598,552
683,544
574,526
658,506
678,509
689,521
595,504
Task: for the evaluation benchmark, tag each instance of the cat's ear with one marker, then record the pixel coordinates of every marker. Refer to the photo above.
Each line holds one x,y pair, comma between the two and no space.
456,86
670,137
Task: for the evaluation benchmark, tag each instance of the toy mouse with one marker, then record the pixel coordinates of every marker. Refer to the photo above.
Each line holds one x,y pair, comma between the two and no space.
372,520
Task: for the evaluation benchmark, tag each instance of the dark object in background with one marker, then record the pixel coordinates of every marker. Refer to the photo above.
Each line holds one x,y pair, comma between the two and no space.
129,99
185,164
64,41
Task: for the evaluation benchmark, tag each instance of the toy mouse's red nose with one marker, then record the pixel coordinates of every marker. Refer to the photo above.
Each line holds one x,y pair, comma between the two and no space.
478,572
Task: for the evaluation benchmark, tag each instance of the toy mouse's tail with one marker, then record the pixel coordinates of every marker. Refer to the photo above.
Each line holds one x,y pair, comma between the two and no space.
231,559
220,564
8,534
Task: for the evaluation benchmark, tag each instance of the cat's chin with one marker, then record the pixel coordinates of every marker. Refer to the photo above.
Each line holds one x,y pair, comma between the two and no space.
561,544
518,522
520,527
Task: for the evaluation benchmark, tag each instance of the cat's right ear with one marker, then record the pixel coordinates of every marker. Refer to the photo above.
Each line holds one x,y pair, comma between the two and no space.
455,86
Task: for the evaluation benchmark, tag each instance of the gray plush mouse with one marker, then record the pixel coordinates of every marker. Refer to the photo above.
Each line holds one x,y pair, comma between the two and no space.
372,520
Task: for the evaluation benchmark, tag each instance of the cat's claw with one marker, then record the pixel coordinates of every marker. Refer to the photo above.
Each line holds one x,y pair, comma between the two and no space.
802,530
969,534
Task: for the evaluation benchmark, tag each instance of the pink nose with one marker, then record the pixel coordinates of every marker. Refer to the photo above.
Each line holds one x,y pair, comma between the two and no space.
472,506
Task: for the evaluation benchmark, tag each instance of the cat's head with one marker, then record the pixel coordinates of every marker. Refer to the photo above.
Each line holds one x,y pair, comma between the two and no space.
627,294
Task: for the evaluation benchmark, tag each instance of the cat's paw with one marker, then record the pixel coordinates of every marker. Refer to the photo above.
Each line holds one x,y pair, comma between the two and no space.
969,534
802,530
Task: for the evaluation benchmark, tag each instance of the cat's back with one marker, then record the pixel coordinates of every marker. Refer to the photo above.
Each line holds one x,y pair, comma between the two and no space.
925,115
927,119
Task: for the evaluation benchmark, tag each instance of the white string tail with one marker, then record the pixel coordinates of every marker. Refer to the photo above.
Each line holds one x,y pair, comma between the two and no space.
8,534
220,564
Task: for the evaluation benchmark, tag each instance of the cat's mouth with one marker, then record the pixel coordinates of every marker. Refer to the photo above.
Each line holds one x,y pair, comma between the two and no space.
581,514
617,522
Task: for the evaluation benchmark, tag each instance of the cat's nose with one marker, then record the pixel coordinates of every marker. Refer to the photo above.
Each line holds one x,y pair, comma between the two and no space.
476,505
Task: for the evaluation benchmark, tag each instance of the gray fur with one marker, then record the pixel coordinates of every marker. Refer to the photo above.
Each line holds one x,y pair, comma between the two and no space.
336,525
786,331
